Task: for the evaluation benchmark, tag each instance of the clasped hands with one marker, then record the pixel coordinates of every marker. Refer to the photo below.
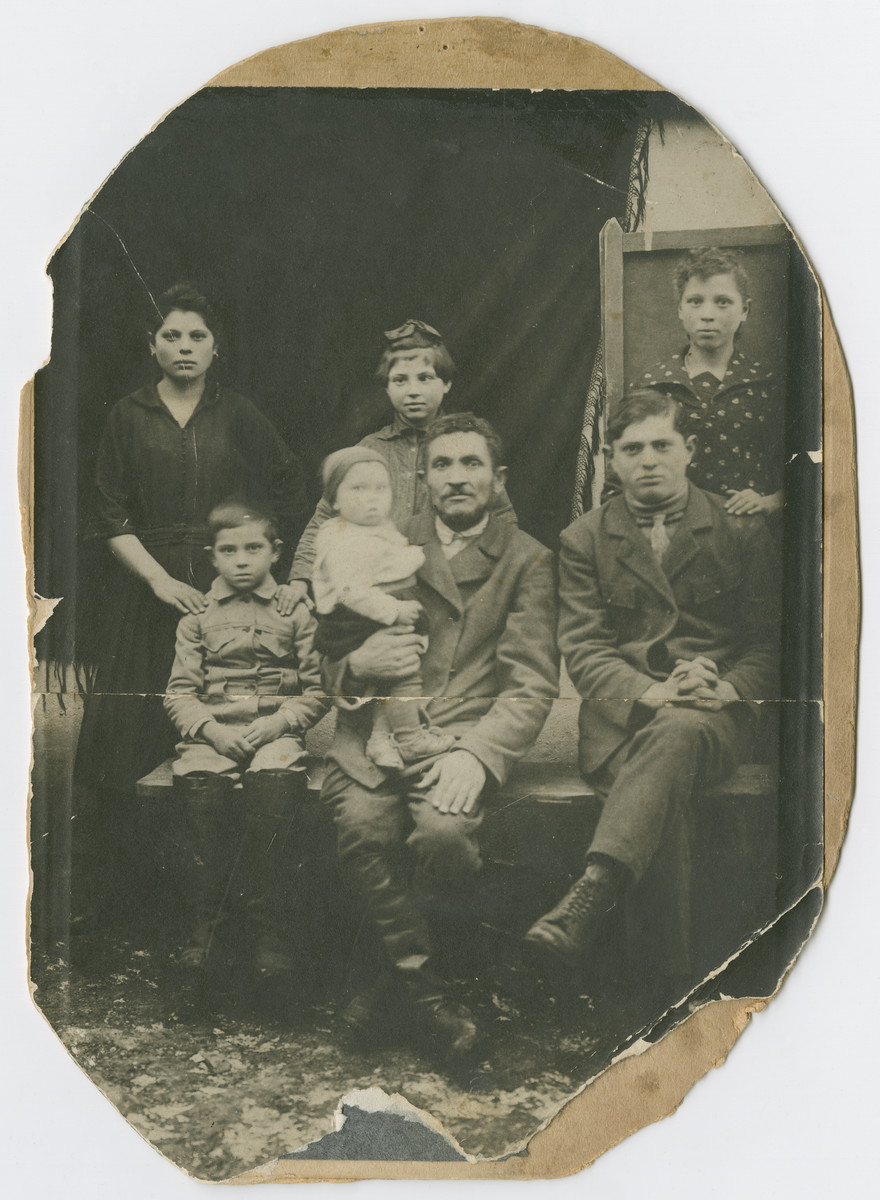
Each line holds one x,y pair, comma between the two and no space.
241,744
693,683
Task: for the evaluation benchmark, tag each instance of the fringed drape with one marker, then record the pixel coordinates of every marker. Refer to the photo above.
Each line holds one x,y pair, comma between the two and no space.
594,406
637,197
587,449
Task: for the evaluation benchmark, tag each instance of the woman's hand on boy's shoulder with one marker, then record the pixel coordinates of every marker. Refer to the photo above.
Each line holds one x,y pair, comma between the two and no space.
179,595
290,594
747,502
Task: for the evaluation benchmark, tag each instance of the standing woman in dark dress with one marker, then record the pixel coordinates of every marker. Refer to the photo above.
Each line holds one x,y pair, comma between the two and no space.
170,452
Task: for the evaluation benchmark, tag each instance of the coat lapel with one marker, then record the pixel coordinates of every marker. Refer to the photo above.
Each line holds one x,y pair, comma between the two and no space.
436,571
634,550
471,565
476,561
684,545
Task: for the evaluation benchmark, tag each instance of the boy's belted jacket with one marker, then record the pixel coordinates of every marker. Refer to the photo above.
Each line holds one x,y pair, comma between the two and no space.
241,659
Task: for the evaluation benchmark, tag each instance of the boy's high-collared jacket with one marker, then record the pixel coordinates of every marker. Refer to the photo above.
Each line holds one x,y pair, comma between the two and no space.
240,659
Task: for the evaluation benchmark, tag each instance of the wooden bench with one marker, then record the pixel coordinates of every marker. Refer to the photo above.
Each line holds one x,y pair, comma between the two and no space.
537,830
536,782
157,785
545,816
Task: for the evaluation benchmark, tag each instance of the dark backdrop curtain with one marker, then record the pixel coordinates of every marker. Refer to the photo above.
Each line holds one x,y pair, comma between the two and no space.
319,218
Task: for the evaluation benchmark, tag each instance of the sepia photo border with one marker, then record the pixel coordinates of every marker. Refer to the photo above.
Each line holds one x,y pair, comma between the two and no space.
494,54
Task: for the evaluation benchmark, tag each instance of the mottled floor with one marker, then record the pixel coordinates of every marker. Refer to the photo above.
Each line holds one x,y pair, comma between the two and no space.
229,1090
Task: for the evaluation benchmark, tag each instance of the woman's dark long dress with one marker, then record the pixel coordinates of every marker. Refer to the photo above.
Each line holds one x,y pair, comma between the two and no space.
159,481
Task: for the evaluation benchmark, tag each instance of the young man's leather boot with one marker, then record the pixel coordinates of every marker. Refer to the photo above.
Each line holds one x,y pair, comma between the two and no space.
569,929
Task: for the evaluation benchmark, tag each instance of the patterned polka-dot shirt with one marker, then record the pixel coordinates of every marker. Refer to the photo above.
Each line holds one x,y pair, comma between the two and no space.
738,422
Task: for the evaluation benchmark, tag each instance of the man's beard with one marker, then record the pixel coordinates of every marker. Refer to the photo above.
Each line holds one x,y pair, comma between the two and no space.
461,522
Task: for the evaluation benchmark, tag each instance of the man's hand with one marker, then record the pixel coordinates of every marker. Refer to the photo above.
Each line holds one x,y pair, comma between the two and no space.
391,653
290,594
700,686
693,674
661,693
266,729
716,698
692,683
228,742
457,781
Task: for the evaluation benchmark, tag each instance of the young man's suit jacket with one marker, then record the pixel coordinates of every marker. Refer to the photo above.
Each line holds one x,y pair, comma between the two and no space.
492,666
625,620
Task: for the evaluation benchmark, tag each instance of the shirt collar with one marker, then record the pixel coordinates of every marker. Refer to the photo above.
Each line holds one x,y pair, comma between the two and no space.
447,536
149,396
220,589
675,504
738,366
400,428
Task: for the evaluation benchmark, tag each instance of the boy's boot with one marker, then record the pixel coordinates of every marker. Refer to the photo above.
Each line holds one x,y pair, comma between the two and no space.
203,807
272,800
370,1013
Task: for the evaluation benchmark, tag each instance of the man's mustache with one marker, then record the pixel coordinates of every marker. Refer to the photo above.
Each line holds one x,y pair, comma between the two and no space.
457,489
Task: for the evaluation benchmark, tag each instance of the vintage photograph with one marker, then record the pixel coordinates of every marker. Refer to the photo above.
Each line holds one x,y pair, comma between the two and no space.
430,480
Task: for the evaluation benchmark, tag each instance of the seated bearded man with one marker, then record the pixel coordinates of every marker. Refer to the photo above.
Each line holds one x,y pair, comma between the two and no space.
491,672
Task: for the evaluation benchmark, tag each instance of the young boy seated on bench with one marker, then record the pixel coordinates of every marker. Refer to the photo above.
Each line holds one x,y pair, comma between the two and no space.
244,689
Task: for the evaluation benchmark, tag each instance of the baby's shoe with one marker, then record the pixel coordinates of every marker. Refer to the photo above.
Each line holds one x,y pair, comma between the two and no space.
416,744
382,751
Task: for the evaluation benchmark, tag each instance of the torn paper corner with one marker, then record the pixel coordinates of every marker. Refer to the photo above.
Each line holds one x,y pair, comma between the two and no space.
41,610
375,1101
